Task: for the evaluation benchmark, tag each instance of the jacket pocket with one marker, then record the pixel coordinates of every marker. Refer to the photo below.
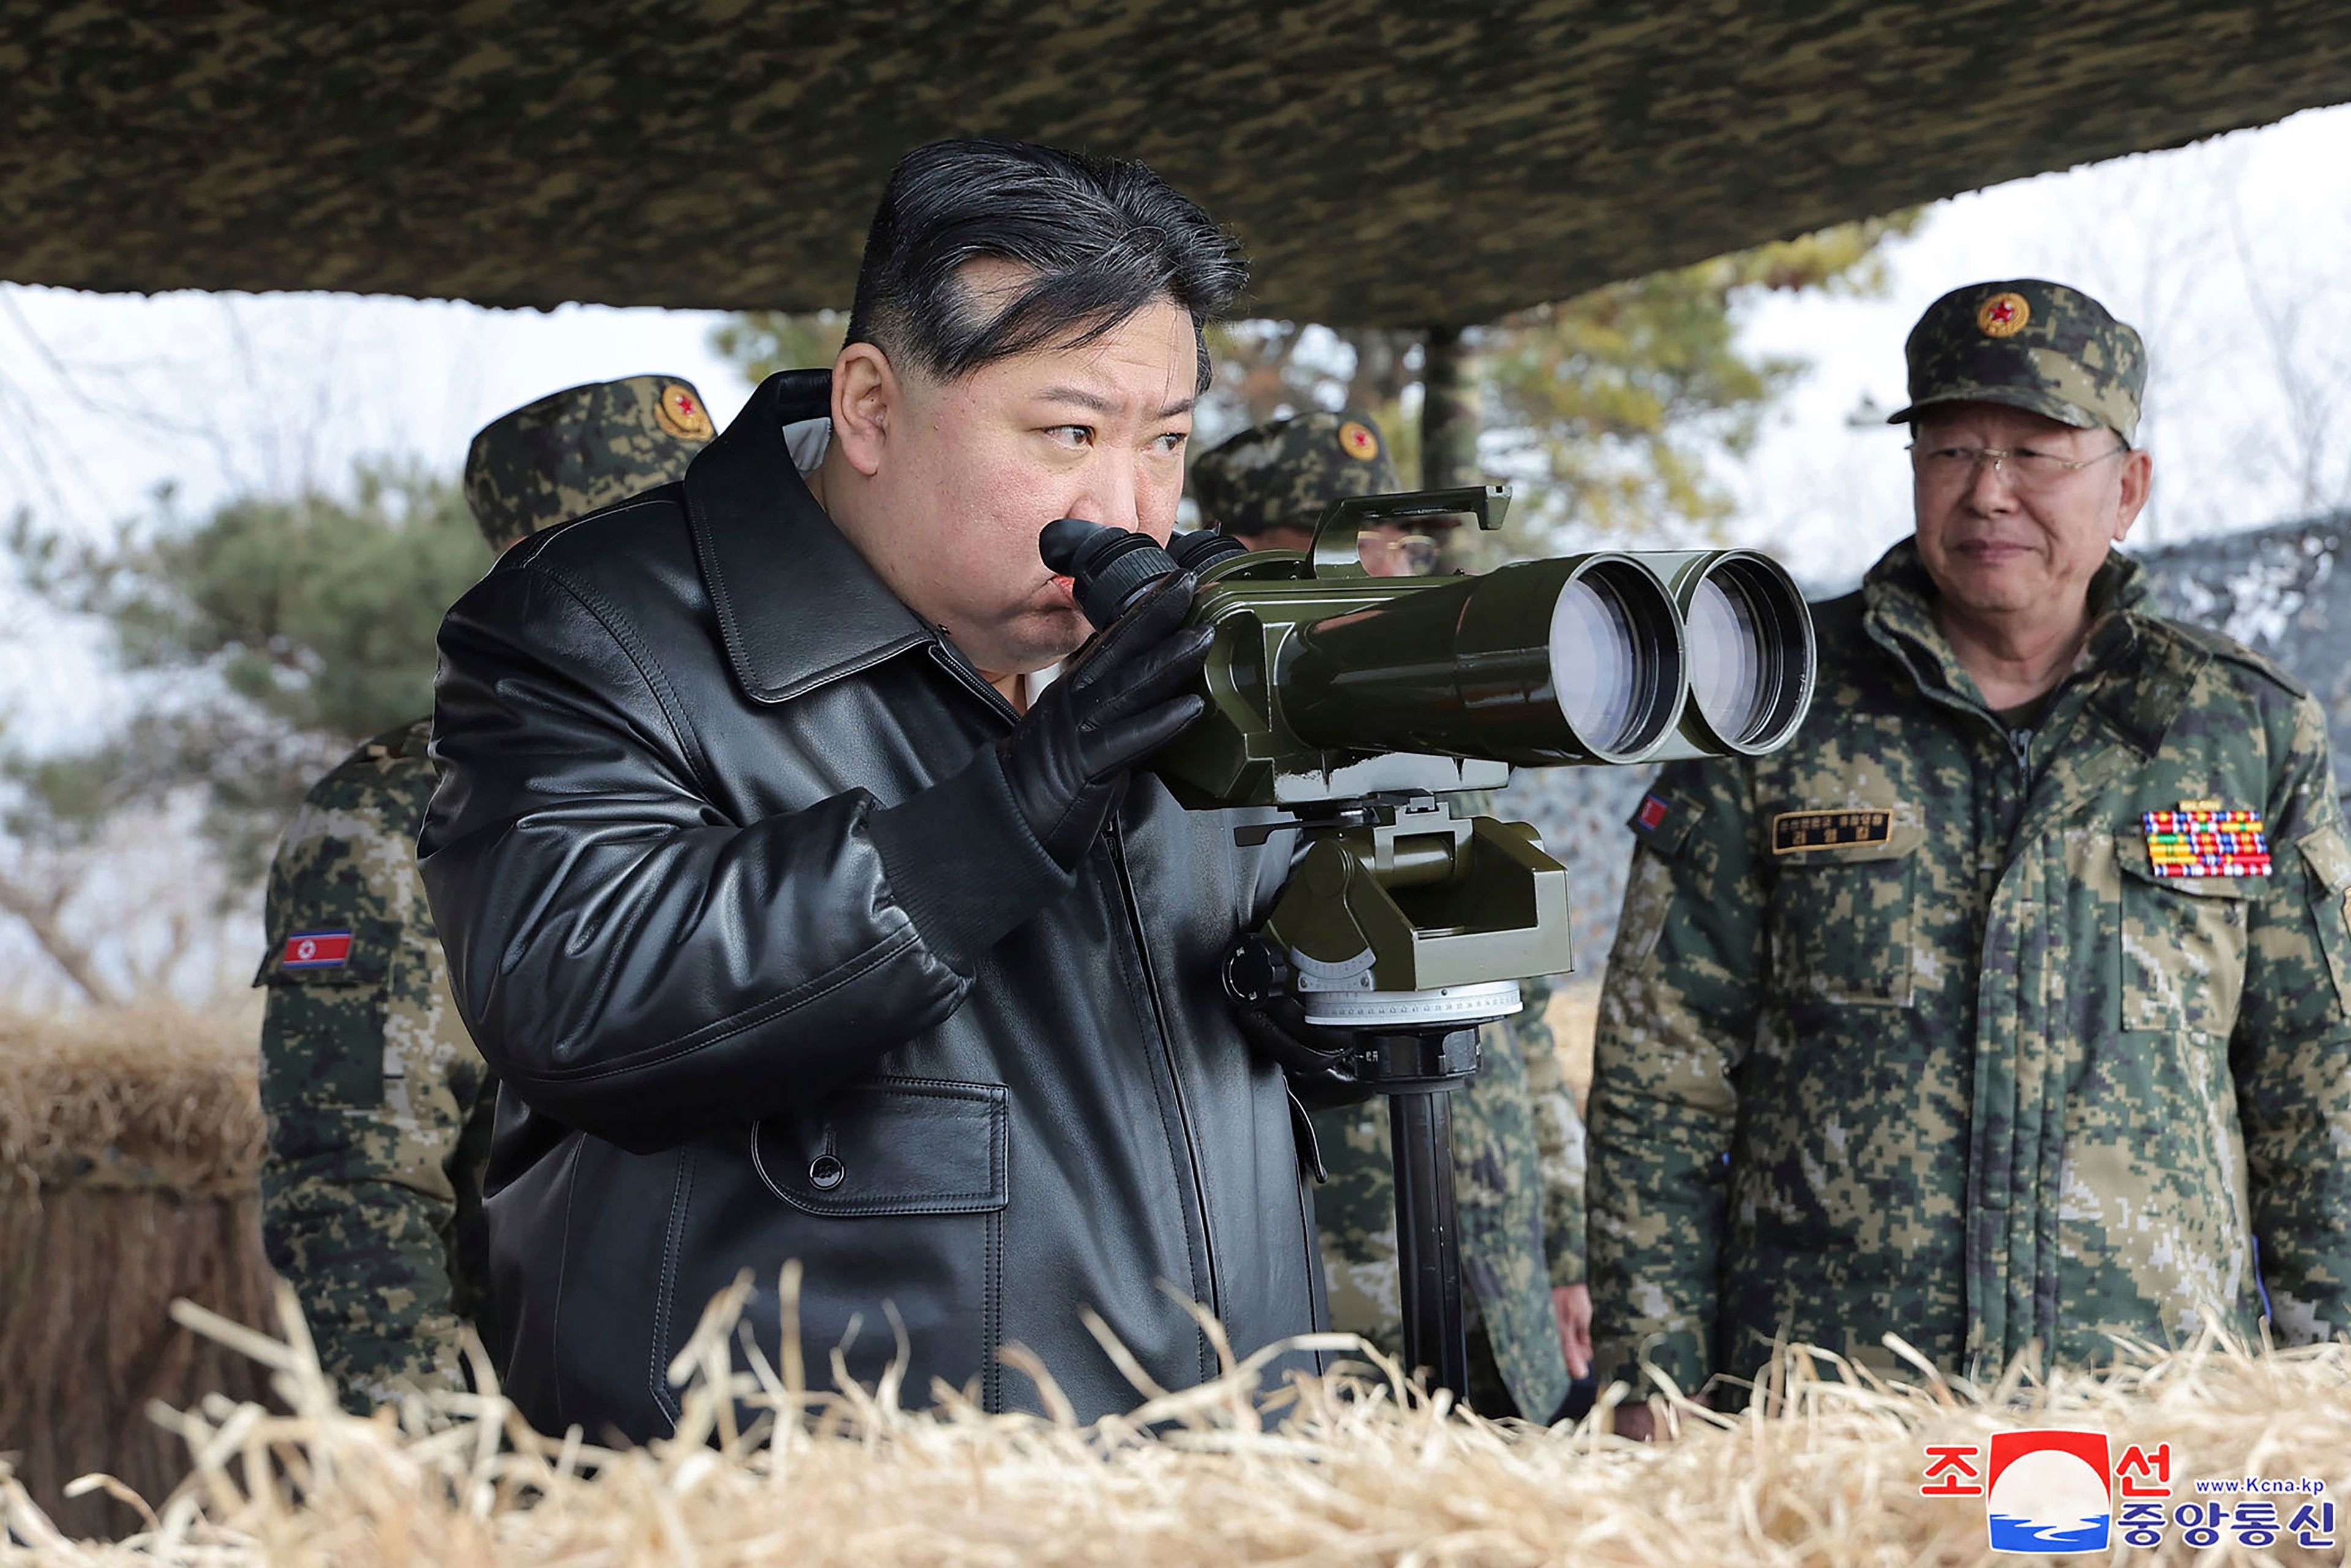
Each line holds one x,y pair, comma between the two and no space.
891,1194
891,1146
1841,925
2184,941
2327,857
322,1032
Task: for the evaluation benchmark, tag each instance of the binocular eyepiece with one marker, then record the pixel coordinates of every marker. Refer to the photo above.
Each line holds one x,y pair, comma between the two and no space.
1110,568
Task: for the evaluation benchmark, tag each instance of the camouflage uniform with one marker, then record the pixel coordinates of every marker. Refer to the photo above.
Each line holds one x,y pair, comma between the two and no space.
2030,344
1516,1143
1904,1032
379,1105
1283,473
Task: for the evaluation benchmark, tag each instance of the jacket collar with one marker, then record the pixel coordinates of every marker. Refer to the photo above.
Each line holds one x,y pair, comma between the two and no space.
2142,671
798,607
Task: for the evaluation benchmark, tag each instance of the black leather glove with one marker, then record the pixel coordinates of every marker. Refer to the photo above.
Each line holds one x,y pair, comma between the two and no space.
1121,699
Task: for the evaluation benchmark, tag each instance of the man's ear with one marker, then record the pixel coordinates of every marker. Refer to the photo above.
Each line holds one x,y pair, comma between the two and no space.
2138,483
866,397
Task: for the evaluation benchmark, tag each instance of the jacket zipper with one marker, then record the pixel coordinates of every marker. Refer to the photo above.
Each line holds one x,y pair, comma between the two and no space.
2018,744
2019,749
1216,1301
944,655
960,668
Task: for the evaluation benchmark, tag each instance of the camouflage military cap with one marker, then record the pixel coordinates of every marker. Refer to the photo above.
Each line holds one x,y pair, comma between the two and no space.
574,451
1287,470
2032,345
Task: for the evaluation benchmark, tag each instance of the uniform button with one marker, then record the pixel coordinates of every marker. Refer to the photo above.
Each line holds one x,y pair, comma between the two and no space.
825,1173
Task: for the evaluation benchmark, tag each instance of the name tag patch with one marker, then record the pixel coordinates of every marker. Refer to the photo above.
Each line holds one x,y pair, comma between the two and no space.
316,950
1794,832
2201,840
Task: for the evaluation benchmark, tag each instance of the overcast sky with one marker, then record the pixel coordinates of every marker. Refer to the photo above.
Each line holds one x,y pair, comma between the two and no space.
2230,257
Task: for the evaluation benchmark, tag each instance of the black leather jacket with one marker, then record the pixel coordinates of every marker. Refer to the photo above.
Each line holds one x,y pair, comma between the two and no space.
737,902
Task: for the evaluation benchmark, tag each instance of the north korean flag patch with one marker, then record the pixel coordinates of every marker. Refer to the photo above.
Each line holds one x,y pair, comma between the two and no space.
316,950
1651,814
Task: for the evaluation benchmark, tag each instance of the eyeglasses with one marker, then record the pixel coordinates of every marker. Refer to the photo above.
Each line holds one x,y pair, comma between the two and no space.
2026,469
1403,555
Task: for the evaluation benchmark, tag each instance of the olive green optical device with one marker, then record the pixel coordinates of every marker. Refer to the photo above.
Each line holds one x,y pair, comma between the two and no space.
1350,703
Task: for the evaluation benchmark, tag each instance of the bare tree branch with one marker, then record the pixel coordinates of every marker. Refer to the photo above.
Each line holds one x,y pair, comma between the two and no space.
40,916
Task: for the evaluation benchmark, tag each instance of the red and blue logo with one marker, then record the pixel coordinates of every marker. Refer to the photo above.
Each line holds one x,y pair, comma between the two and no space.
2045,1494
1653,810
316,950
2051,1491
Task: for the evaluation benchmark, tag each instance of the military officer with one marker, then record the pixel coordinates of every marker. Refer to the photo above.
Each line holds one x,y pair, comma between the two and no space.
2006,1008
1269,484
379,1104
1518,1142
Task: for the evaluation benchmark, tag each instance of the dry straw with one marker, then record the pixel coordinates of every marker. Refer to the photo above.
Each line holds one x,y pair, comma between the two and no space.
1358,1468
129,1144
141,1097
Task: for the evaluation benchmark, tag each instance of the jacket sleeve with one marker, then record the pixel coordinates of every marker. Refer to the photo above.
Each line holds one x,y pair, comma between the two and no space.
632,962
2291,1049
368,1082
1677,1015
1559,1139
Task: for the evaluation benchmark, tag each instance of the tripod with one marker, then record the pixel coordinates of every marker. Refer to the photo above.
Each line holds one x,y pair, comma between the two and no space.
1400,932
1418,1072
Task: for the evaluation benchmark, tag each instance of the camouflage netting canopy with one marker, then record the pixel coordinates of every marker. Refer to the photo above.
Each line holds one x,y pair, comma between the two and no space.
1387,162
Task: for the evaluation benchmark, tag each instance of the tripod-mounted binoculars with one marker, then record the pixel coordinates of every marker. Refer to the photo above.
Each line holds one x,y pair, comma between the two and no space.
1351,702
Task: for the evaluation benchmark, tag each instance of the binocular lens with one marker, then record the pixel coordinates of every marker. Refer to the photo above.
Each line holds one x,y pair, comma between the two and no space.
1616,648
1727,655
1568,660
1751,654
1592,661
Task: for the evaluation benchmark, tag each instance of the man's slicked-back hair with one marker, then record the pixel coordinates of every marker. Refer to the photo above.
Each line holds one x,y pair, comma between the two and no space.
1103,237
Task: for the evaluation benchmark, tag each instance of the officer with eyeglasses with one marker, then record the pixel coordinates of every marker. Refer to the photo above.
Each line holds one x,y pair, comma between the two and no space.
2009,1008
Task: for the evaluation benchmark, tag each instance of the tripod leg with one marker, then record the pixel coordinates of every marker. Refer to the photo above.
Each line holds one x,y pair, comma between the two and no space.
1428,1260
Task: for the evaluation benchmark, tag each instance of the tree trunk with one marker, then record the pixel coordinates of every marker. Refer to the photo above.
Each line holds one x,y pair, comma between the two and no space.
1451,413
